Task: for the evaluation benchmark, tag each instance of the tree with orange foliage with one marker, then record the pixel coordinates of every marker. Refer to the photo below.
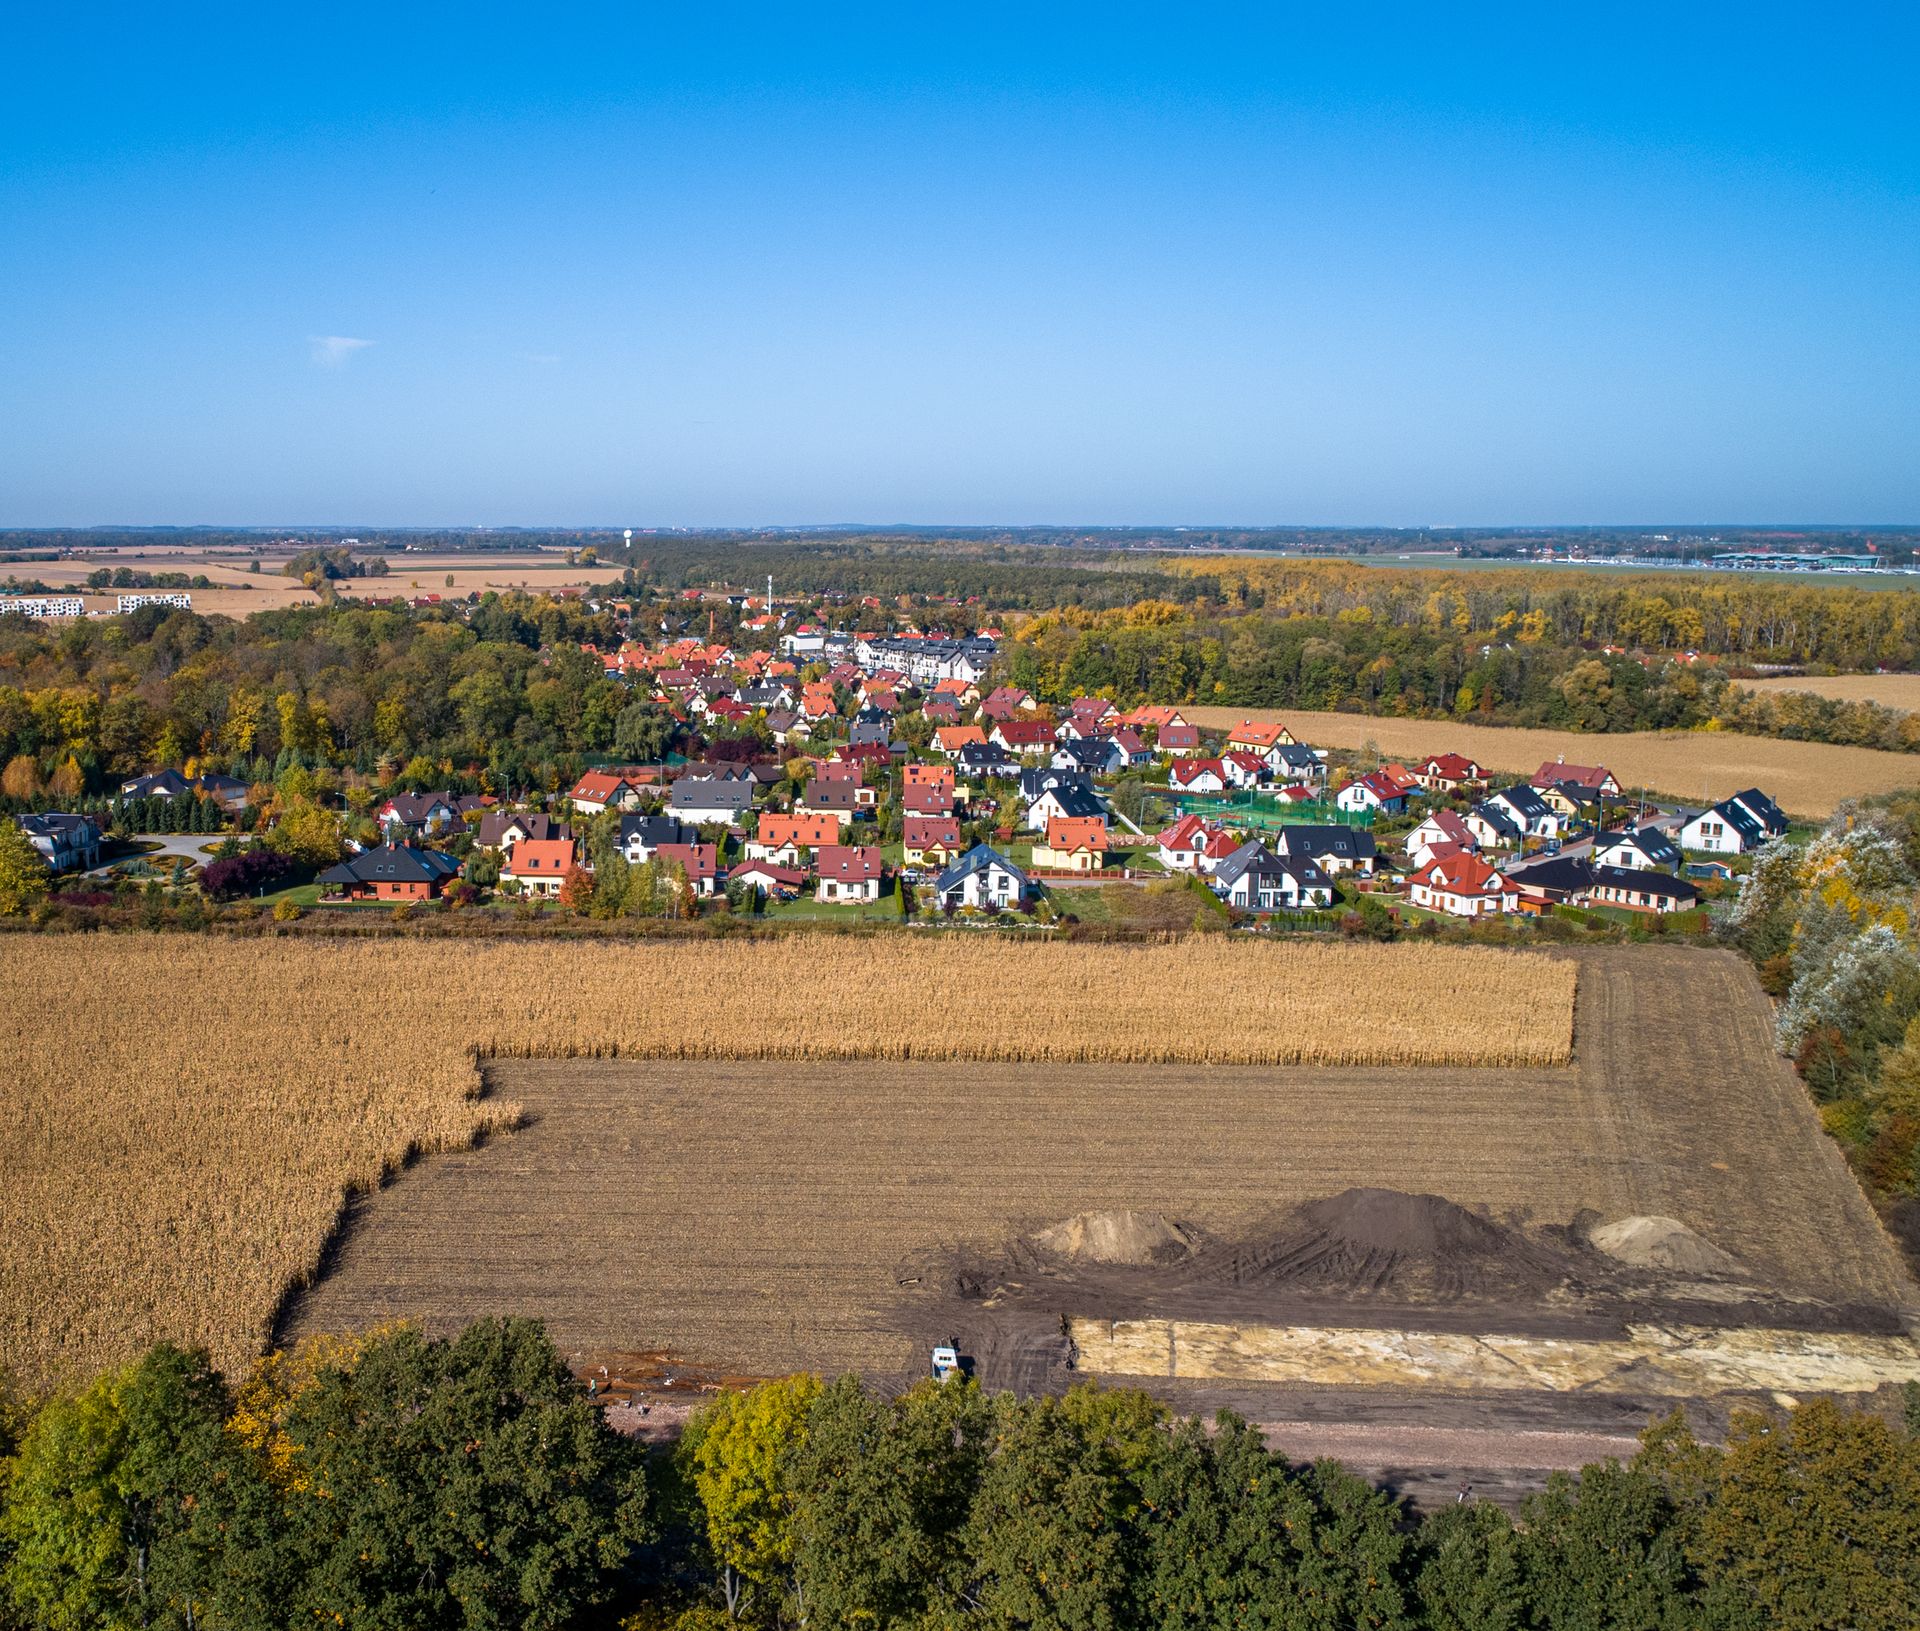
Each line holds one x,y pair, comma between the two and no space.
576,890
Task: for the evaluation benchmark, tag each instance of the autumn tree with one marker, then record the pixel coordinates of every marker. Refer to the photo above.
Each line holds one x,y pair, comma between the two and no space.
23,874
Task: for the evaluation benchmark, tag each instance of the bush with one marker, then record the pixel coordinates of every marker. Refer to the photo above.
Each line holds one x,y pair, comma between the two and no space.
286,911
244,874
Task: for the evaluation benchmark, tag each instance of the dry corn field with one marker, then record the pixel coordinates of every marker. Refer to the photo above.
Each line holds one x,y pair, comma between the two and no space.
181,1118
1805,778
757,1217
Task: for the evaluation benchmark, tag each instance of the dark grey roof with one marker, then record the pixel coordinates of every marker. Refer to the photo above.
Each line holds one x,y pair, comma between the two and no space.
711,793
655,830
1331,838
1035,782
1563,875
1769,814
977,859
1076,802
1523,800
157,784
1650,841
392,863
1498,818
1647,883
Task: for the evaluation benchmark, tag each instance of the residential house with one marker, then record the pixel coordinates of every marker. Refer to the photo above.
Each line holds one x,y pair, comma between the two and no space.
985,761
926,798
1035,781
841,797
703,800
1096,755
1526,809
1442,827
1007,702
1134,752
1638,891
785,839
772,880
1494,827
930,840
953,740
982,877
1373,791
1557,881
1177,738
229,792
1448,773
1734,826
1462,886
1245,770
1025,737
1575,804
158,784
417,814
395,872
599,790
940,776
700,863
1193,845
1073,844
1295,762
641,836
1197,776
67,843
847,872
1253,736
1254,879
1595,778
1068,803
1644,849
1334,847
539,865
502,829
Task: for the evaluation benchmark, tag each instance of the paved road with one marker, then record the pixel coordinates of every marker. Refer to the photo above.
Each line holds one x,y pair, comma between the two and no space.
171,844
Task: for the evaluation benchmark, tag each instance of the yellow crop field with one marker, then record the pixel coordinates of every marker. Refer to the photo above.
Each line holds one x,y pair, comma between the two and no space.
182,1117
1900,691
1805,778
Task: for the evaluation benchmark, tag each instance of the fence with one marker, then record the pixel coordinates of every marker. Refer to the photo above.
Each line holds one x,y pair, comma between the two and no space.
1248,807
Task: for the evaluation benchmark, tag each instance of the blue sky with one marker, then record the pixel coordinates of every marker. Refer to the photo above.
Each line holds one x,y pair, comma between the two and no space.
724,265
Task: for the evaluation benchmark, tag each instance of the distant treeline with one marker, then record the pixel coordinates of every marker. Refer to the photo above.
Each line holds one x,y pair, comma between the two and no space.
396,1482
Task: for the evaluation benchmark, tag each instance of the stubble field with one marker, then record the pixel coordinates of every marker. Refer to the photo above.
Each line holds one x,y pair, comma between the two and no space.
182,1118
1900,691
759,1217
1807,779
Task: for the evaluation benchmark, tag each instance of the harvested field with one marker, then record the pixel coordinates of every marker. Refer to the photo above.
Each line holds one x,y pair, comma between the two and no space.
1805,778
1900,691
173,1169
761,1217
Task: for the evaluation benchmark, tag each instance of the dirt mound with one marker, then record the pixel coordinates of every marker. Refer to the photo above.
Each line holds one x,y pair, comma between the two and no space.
1661,1243
1381,1242
1130,1239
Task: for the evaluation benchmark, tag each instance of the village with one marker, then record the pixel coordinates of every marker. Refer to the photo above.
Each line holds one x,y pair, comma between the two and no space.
885,778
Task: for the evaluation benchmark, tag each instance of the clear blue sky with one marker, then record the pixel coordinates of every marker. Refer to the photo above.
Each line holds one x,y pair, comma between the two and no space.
714,264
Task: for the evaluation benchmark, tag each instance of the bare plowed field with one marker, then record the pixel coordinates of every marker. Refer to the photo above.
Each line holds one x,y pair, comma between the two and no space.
1806,778
760,1215
173,1164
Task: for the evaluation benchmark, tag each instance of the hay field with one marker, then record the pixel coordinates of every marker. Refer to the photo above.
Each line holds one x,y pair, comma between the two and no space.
1900,691
1805,778
180,1117
756,1218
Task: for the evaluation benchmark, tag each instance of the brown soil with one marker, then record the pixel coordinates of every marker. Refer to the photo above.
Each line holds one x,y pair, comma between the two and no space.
761,1216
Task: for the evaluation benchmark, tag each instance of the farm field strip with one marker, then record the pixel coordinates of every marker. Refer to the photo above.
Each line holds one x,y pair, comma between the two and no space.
757,1217
1805,778
1900,691
174,1168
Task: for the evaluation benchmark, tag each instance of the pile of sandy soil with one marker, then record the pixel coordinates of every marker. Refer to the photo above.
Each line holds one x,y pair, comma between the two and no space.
1131,1239
1662,1243
1381,1242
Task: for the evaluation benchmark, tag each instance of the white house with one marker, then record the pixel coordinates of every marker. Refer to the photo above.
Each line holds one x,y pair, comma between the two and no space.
981,877
702,799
